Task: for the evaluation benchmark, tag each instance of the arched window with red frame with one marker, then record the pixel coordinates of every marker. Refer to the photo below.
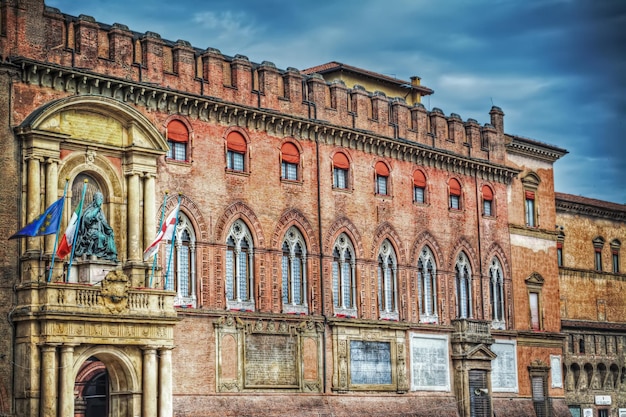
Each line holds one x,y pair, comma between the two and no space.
419,187
341,171
382,178
177,140
289,162
454,191
488,205
236,148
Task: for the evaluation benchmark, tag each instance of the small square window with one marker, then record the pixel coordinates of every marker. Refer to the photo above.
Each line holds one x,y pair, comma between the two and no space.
455,202
340,178
487,207
235,161
381,185
177,151
289,171
419,194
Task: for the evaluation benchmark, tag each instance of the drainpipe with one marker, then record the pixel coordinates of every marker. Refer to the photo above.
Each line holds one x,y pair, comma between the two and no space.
321,259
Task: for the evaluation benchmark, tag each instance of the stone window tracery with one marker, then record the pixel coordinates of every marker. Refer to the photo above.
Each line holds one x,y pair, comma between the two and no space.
427,286
294,267
463,274
239,268
387,282
180,266
344,277
496,293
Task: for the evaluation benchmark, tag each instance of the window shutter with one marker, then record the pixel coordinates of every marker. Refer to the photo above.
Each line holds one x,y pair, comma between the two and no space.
341,161
419,180
382,169
487,193
530,195
289,153
455,187
177,132
235,142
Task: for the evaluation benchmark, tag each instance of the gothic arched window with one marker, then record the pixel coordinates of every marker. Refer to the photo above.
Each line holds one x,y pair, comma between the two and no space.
463,280
496,294
344,277
180,266
239,268
294,293
427,286
387,282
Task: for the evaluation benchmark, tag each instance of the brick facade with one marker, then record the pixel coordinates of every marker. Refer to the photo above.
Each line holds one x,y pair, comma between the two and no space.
102,101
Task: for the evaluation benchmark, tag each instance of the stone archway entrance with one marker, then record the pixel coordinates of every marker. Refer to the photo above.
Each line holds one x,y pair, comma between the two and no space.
92,390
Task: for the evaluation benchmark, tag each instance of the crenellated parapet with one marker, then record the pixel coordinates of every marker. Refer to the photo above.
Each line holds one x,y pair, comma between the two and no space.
176,77
304,127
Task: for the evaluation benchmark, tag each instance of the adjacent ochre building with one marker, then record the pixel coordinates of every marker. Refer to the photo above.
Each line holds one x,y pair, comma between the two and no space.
593,288
340,249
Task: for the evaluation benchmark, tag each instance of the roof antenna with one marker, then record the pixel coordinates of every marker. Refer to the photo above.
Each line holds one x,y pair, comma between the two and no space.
491,98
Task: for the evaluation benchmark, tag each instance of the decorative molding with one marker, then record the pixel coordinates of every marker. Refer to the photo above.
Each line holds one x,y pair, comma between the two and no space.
156,98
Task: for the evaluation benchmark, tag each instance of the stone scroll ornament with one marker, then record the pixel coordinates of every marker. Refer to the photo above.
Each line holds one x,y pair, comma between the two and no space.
95,236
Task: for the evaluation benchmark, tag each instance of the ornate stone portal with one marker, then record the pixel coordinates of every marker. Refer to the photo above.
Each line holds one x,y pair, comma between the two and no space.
130,331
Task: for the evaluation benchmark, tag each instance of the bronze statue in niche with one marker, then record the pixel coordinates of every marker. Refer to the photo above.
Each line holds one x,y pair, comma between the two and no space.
95,236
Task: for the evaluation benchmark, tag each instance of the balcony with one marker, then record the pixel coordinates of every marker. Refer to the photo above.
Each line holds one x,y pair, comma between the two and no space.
472,331
35,299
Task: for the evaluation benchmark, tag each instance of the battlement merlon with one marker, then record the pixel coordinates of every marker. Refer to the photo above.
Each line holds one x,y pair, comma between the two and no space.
81,44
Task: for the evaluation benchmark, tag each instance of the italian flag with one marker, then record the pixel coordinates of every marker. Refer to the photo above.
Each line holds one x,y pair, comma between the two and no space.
65,247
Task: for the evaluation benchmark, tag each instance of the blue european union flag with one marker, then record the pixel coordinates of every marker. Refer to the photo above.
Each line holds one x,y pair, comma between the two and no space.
46,224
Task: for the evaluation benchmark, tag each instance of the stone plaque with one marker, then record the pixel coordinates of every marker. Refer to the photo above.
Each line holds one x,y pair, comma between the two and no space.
270,361
504,367
555,371
370,363
430,363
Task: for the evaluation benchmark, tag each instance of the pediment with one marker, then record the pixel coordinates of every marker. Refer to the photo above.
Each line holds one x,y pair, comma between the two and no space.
535,279
480,352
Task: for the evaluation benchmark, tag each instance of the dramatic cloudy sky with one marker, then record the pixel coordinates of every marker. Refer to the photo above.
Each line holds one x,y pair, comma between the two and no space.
556,67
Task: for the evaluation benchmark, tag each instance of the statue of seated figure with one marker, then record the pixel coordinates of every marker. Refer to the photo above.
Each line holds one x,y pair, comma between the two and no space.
95,236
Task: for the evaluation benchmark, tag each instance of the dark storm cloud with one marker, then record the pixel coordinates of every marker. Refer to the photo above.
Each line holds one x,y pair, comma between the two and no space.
556,67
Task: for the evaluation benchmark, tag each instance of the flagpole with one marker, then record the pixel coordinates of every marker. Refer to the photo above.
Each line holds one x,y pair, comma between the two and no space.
154,261
56,238
169,261
79,221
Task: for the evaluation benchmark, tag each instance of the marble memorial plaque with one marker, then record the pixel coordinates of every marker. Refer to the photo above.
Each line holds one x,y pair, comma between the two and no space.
504,368
370,363
430,363
270,361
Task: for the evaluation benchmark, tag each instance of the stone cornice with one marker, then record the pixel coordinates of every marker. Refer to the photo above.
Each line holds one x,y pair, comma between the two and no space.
610,211
540,339
533,232
528,147
592,325
215,110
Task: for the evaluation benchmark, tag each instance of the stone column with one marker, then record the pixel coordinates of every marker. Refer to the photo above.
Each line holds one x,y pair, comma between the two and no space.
149,206
149,400
66,381
48,393
133,241
33,199
165,382
52,180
